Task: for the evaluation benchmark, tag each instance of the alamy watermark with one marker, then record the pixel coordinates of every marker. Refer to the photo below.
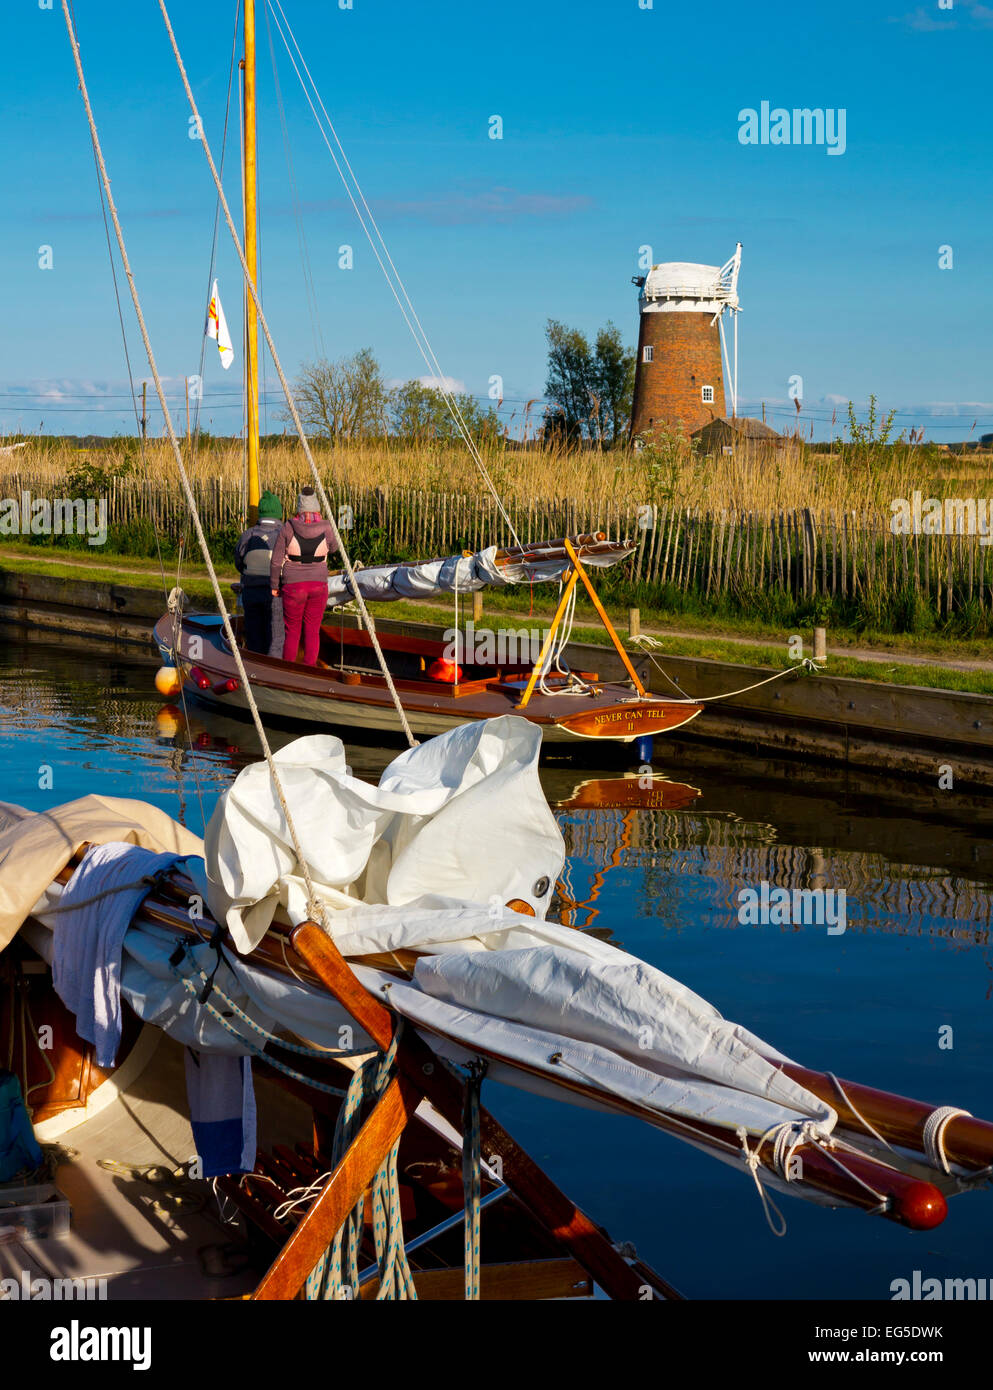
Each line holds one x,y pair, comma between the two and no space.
782,907
505,646
36,1288
54,516
775,125
931,1290
953,516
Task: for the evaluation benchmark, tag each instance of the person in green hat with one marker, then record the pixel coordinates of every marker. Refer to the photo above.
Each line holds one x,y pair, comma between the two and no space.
252,558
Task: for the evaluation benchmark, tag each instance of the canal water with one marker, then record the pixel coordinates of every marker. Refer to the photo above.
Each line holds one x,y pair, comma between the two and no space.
903,999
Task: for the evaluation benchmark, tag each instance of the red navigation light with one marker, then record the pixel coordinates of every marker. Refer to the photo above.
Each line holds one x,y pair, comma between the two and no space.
445,670
199,679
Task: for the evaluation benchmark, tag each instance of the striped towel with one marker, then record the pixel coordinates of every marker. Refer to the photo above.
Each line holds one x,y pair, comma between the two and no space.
222,1111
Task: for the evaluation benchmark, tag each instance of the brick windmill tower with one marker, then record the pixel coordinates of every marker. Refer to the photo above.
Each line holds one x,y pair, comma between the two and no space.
678,374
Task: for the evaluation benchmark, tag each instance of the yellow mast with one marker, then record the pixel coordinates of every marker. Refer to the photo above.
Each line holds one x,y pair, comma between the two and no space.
251,256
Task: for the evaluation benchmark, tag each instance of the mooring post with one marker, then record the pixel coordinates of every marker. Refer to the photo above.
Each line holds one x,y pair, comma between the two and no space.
634,622
477,607
820,644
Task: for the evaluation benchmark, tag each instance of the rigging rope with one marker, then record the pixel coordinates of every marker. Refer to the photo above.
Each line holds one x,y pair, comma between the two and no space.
315,906
398,288
472,1175
217,222
327,1279
308,273
287,392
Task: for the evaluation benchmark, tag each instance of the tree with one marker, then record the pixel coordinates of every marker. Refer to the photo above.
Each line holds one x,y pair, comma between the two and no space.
590,388
346,399
570,381
418,411
614,383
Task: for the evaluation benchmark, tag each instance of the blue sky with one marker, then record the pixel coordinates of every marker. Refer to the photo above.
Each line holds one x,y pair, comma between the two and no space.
620,129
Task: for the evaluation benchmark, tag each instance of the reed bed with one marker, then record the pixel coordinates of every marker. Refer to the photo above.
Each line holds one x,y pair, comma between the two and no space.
756,477
712,533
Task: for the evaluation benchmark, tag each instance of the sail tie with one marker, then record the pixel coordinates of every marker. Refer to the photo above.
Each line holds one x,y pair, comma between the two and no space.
934,1135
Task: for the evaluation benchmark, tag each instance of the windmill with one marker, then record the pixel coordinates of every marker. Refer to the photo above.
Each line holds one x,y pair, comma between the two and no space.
682,363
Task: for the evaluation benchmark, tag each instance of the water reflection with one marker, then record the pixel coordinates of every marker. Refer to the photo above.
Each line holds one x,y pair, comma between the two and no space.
656,848
658,868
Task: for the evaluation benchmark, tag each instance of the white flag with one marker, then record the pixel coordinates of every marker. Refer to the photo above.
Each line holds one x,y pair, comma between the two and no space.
217,328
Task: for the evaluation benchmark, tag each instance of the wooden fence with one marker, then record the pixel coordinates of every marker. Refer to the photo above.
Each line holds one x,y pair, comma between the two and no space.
709,553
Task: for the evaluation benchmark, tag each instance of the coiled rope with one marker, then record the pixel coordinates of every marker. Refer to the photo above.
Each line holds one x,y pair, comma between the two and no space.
556,656
934,1135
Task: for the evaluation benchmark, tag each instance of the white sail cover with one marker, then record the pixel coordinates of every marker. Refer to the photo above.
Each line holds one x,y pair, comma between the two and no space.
426,861
457,573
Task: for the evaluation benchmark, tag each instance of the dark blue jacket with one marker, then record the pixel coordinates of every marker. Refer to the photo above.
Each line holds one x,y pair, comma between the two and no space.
254,553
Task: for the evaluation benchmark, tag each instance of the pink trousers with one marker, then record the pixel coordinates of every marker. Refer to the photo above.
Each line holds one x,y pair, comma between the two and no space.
303,607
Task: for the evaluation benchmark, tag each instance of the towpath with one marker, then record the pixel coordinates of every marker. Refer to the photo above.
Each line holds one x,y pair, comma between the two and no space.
881,655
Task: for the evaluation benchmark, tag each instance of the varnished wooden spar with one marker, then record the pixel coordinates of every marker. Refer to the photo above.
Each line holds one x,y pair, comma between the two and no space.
908,1201
589,545
967,1141
353,1175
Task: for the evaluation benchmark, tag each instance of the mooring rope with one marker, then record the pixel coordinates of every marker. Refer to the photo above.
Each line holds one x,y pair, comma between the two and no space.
804,664
284,383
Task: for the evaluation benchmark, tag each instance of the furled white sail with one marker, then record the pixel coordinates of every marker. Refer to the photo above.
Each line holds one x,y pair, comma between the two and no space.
457,827
457,574
427,860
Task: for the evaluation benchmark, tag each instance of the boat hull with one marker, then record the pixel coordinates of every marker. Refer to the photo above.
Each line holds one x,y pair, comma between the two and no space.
347,699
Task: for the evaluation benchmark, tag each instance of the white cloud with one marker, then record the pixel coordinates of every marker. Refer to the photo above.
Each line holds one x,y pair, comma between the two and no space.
443,383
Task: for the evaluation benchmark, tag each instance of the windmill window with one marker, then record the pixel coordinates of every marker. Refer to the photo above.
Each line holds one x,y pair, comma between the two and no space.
707,395
647,353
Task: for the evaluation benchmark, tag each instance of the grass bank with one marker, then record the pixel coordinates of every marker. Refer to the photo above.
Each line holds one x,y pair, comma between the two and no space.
900,660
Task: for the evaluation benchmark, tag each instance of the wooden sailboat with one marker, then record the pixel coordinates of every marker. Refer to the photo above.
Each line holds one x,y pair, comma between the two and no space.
544,1246
347,687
